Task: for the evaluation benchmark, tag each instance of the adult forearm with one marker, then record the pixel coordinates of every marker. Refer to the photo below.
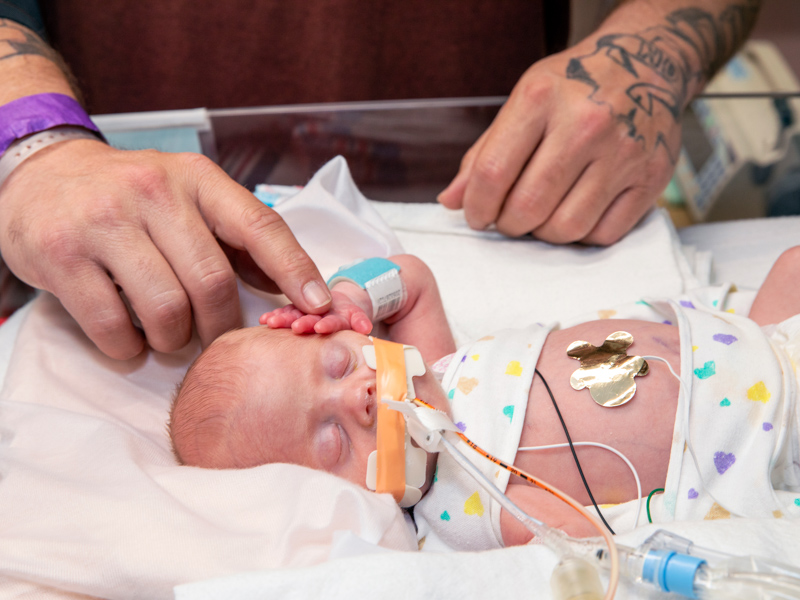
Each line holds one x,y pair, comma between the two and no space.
685,41
29,66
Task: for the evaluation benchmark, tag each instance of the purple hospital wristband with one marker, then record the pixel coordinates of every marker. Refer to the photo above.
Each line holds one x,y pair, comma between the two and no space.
31,114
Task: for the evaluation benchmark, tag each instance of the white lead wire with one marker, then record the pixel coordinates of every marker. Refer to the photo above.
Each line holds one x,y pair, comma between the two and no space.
610,449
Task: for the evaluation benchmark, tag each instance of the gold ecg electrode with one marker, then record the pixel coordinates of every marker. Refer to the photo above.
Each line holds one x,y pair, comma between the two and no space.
607,370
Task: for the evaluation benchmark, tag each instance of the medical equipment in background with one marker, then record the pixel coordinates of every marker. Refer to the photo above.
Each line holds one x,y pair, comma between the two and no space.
741,139
664,562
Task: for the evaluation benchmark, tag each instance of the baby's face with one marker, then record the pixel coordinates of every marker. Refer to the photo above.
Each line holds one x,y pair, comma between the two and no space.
312,401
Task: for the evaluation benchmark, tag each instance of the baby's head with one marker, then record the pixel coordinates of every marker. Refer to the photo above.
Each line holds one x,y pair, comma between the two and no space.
260,395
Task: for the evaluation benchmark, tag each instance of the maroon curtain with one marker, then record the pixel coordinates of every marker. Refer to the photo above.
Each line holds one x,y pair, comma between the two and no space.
132,55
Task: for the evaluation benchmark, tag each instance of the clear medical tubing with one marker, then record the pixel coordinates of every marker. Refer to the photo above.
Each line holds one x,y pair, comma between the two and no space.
552,538
573,578
670,563
748,578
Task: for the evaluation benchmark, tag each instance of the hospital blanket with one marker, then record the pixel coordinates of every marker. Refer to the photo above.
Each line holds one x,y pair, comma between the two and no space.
93,504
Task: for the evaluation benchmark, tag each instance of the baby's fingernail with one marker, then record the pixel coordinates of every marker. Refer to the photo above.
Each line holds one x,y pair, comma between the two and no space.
316,294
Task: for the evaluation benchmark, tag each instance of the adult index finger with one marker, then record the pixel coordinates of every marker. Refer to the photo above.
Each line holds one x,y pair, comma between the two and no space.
239,219
509,143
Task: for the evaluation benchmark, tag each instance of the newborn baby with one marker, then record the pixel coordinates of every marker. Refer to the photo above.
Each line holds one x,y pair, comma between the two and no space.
299,391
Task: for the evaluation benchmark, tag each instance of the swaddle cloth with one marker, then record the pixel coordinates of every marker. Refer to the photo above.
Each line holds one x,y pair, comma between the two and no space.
735,442
487,384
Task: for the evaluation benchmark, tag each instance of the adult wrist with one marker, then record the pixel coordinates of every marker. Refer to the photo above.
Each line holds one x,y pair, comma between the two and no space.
40,112
32,123
20,150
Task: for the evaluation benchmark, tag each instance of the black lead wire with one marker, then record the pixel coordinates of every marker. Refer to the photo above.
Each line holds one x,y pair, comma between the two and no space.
574,454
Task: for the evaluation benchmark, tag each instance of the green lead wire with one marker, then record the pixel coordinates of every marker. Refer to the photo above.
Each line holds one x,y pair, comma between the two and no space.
650,495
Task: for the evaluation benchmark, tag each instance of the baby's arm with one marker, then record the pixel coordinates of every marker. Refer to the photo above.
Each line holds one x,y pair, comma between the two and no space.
542,505
420,322
779,295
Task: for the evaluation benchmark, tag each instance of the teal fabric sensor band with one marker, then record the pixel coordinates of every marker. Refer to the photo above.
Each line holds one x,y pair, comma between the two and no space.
380,278
362,271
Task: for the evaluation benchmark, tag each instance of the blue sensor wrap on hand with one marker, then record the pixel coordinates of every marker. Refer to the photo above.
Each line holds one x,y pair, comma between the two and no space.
362,271
380,278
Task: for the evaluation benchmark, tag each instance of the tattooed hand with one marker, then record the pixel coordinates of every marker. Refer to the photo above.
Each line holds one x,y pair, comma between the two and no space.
589,137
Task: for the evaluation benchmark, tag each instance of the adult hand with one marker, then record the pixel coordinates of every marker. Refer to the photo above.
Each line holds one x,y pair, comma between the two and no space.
83,220
582,148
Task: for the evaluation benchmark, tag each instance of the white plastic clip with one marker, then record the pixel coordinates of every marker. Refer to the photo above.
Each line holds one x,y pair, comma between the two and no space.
425,425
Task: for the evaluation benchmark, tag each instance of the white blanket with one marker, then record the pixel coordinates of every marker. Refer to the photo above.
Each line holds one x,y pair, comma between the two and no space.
92,502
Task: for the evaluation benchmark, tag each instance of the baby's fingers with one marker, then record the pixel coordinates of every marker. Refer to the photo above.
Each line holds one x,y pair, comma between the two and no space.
306,324
360,322
281,318
331,324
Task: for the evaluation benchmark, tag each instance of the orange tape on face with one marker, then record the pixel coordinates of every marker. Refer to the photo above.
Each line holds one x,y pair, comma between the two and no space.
391,383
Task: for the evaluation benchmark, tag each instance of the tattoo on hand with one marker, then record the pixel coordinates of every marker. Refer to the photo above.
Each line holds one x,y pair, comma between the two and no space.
663,65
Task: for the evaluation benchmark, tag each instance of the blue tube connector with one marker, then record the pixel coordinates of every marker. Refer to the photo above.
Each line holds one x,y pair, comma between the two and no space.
672,572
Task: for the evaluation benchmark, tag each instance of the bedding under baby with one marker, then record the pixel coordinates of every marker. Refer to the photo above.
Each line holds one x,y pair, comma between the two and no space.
94,505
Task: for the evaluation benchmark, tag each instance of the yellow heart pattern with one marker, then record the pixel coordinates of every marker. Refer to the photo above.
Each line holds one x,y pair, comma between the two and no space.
759,393
514,368
473,505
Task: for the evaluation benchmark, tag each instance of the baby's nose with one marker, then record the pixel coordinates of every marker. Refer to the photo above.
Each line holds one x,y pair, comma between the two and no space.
363,405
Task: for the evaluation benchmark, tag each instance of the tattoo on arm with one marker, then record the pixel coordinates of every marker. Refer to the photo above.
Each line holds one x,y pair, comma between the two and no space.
663,65
16,40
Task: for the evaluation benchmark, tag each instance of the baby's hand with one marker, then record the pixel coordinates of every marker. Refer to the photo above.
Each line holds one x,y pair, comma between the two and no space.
344,314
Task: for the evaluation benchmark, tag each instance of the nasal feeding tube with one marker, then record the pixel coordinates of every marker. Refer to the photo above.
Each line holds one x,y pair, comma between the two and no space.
574,577
664,562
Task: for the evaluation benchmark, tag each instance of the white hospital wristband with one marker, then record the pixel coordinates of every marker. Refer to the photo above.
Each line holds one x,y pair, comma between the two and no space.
380,278
24,148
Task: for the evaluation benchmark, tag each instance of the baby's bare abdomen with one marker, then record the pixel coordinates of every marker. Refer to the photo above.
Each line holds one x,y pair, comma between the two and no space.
642,429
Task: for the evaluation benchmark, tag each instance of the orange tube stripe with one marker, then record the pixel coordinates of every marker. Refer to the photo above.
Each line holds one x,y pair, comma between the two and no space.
497,461
391,463
612,548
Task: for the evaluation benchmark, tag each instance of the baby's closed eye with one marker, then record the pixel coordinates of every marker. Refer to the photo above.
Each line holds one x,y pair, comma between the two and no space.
330,445
339,361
